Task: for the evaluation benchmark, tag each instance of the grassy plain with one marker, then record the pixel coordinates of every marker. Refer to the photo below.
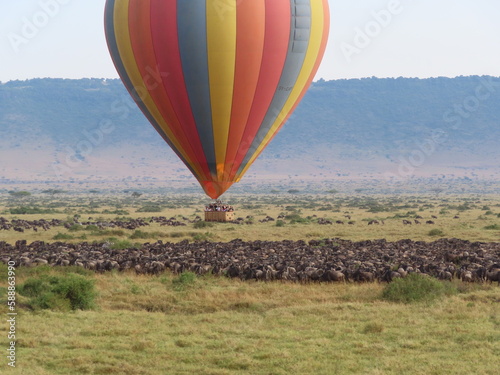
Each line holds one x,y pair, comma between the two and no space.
479,217
157,325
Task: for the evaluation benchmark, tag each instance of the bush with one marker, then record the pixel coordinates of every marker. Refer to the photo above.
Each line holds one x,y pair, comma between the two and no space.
108,232
203,224
296,218
62,236
436,232
117,244
19,194
207,236
68,292
280,223
115,212
139,234
150,208
417,288
76,228
23,210
184,280
492,227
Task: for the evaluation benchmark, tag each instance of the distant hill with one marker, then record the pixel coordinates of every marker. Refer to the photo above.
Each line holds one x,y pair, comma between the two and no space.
53,129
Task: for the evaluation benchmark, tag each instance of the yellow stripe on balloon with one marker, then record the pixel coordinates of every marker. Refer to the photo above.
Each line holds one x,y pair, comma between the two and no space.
221,45
315,40
122,36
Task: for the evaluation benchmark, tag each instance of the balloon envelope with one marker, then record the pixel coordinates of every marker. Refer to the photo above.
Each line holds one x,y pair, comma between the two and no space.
217,78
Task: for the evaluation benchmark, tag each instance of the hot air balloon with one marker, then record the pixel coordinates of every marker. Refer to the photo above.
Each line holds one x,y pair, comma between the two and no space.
217,78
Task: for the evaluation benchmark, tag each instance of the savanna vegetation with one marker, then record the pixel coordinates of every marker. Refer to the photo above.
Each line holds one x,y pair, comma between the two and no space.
296,216
74,321
177,324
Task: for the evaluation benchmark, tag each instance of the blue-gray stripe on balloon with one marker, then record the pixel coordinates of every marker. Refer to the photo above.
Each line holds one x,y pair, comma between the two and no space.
300,31
109,26
194,58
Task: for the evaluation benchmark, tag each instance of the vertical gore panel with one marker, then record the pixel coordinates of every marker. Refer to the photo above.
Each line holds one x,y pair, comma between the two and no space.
297,47
192,29
166,47
142,46
319,35
131,76
276,37
221,43
250,35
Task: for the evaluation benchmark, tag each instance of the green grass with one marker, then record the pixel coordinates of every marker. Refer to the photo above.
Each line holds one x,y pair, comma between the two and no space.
417,288
492,227
59,292
436,233
203,224
298,209
149,325
63,237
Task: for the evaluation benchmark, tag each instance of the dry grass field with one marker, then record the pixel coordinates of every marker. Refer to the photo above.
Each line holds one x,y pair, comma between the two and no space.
156,325
474,219
168,324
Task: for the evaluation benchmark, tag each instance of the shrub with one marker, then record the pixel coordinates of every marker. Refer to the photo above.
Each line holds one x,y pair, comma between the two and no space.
115,212
139,234
203,224
373,327
108,232
76,228
184,280
296,218
207,236
435,232
417,288
177,234
280,223
117,244
62,236
67,292
23,210
150,208
19,194
492,227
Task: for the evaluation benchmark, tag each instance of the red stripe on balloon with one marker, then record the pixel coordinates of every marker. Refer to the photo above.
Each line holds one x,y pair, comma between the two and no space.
166,49
142,46
277,36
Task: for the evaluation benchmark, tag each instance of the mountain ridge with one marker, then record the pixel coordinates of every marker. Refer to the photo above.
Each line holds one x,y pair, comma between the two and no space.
53,129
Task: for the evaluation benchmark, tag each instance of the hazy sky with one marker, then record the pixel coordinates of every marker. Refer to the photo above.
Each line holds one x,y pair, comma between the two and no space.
382,38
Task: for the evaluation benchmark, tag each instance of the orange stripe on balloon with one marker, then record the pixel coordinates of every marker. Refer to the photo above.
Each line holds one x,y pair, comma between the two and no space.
326,30
277,36
250,35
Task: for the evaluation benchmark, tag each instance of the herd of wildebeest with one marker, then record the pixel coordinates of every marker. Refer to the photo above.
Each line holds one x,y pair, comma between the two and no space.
327,260
20,225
